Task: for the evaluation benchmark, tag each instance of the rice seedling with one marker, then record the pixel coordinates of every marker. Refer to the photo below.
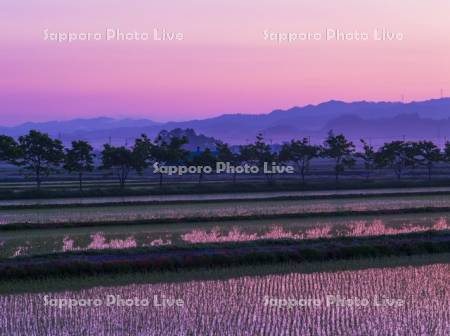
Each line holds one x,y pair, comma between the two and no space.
404,300
48,241
209,211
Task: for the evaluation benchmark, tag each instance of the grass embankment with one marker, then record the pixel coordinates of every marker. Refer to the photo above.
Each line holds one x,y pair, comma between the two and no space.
233,198
191,187
224,254
202,219
61,283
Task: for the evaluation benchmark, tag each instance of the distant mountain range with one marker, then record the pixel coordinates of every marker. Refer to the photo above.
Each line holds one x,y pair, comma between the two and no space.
379,121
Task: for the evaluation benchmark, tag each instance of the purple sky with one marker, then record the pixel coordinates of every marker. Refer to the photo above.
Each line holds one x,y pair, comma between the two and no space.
223,64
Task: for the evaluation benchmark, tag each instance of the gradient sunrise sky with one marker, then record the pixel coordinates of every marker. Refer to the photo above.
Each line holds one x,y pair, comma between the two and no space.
223,65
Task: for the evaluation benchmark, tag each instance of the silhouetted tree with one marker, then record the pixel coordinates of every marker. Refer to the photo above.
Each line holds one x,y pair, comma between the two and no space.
446,154
79,159
39,154
259,153
169,151
143,150
224,154
203,159
122,160
427,154
368,156
338,148
119,160
301,152
396,155
9,149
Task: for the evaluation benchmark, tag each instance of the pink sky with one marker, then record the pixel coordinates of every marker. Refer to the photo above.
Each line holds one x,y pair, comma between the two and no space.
223,65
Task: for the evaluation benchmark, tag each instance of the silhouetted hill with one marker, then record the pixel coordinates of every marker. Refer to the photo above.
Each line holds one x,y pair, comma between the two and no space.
407,126
78,125
427,119
195,141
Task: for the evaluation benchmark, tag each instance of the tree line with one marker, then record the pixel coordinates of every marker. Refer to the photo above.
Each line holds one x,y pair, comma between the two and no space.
39,155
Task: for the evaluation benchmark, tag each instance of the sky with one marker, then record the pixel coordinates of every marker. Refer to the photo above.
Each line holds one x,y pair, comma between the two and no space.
224,62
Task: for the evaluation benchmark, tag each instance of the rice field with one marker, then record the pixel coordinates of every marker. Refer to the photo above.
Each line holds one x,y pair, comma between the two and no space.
399,300
211,197
208,211
404,300
34,242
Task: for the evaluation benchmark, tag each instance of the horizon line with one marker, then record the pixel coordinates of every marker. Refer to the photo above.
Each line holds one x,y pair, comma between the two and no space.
118,118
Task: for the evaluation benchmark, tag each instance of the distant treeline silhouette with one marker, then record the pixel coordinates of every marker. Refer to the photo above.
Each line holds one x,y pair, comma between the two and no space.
39,155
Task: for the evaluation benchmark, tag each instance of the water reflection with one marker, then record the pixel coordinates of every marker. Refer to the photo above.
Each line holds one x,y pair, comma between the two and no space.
355,228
